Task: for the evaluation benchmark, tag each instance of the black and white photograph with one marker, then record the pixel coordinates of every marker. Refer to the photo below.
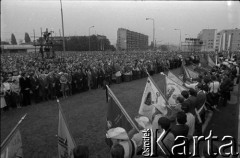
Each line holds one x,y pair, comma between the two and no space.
119,79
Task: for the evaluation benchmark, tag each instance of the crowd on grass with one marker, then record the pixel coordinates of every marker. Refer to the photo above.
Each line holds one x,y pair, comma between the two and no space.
26,77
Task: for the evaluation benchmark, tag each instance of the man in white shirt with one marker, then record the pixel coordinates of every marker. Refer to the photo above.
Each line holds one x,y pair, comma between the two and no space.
214,88
214,85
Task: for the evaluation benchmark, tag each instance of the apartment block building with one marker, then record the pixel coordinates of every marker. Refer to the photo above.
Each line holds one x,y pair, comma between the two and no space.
130,40
207,37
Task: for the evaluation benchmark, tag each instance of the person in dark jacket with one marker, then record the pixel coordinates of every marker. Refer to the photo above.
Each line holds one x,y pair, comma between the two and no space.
25,85
225,89
35,87
180,129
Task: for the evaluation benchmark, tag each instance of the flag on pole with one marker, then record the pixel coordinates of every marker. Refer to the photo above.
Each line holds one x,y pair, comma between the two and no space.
66,143
191,73
117,115
12,148
174,78
186,75
173,90
210,61
152,99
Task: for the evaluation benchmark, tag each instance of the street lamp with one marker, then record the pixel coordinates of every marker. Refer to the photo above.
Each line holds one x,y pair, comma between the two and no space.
180,38
153,30
89,37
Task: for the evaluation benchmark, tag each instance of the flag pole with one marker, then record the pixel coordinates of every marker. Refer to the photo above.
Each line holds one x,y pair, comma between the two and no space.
60,108
122,109
13,130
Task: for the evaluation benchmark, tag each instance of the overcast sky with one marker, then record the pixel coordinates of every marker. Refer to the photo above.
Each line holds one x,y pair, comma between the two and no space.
20,16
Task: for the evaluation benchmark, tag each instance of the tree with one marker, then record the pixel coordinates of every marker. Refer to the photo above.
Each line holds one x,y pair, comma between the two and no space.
27,38
13,39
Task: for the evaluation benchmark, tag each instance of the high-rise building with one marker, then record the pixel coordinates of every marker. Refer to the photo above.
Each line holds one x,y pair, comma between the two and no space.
207,37
130,40
228,40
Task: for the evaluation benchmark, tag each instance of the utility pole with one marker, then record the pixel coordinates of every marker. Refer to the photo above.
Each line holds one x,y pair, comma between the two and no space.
34,41
62,27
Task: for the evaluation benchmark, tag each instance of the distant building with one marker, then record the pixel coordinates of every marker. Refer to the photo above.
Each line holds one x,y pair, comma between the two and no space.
19,48
102,39
130,40
192,45
207,37
228,40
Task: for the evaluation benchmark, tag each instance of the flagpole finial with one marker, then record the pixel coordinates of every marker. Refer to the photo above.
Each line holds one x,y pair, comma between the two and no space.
162,73
57,99
23,118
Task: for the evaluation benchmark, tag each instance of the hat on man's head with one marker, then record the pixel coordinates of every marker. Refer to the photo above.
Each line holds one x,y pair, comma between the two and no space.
117,133
143,121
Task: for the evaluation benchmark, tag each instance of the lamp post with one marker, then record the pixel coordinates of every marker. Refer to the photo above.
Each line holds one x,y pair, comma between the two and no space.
89,36
153,31
179,39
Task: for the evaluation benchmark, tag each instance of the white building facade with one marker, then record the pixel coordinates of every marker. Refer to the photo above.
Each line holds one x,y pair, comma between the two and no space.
228,40
207,37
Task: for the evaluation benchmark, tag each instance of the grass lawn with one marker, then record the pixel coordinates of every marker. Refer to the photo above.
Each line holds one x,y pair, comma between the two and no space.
86,116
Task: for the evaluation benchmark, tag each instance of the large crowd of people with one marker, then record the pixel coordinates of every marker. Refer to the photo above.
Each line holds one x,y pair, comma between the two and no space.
29,77
26,78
